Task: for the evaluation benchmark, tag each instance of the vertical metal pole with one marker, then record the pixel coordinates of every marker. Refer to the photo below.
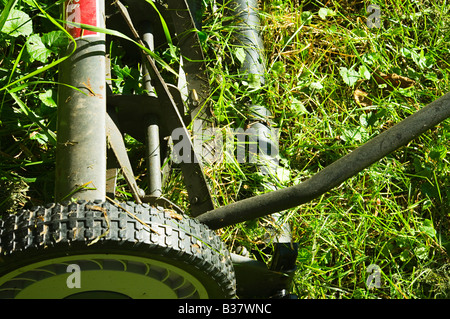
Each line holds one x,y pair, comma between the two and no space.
148,39
153,147
154,158
81,149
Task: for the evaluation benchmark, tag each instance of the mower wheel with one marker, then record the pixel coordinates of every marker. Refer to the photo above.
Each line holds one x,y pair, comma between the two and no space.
99,250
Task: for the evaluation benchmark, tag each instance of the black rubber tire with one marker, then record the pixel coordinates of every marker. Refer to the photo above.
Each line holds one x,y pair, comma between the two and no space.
60,230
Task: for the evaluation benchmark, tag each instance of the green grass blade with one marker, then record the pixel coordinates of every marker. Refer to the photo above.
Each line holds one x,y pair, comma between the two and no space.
5,12
16,62
50,65
123,36
25,85
163,22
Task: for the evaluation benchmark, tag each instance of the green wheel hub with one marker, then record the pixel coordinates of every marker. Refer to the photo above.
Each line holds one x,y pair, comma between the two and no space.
101,276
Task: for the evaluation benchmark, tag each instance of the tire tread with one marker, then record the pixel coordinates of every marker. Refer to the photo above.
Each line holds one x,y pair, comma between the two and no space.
63,226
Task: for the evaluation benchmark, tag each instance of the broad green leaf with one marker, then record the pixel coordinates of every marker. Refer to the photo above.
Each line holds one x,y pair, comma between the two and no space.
405,52
34,118
163,22
350,77
371,57
37,49
364,72
326,12
202,36
278,68
363,120
29,2
316,86
283,174
298,106
5,12
49,65
405,255
47,98
419,59
41,138
17,24
358,134
430,189
438,153
55,40
254,81
432,76
421,252
428,228
306,17
240,55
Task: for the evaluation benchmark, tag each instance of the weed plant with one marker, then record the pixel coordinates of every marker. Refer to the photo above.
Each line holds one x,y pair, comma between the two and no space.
335,78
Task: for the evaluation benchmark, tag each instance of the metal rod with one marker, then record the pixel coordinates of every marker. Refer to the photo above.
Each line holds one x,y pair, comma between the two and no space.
148,39
153,147
153,158
81,148
334,174
198,190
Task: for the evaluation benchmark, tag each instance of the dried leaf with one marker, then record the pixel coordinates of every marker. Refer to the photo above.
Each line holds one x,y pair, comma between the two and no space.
101,209
361,98
197,248
394,80
97,208
174,215
134,216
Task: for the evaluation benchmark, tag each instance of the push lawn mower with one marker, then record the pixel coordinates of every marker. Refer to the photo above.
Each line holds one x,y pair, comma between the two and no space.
96,247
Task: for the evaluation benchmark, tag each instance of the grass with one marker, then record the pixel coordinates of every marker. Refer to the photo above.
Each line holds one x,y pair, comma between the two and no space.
394,214
330,88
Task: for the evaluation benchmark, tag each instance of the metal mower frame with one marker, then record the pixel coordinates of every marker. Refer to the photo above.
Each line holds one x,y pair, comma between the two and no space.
82,153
